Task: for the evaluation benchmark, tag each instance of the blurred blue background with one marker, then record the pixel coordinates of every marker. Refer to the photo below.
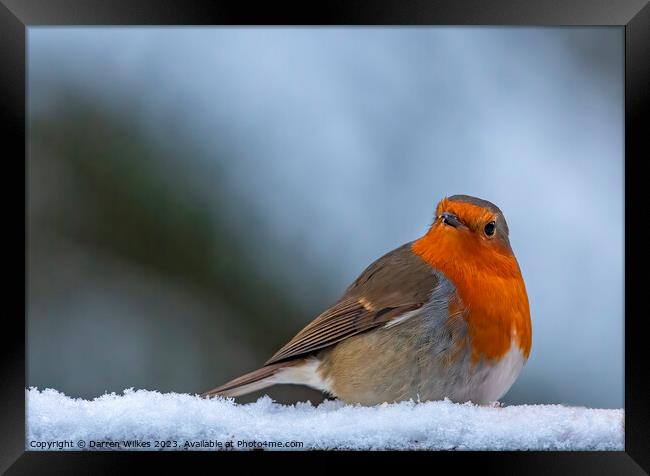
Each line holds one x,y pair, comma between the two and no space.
197,195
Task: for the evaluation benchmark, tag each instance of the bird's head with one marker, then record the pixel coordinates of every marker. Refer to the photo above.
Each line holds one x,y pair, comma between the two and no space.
470,223
468,235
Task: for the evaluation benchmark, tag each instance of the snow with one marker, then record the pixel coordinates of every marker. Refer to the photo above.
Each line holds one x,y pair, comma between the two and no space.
182,421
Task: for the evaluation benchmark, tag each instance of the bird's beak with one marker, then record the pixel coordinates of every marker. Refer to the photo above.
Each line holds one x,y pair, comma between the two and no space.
451,220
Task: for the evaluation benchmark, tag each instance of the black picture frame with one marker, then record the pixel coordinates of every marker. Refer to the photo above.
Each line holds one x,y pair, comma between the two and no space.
17,15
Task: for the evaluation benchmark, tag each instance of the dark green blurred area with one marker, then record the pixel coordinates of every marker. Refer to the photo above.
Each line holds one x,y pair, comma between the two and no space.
142,271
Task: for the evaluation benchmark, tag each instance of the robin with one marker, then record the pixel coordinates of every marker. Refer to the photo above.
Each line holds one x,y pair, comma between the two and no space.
444,316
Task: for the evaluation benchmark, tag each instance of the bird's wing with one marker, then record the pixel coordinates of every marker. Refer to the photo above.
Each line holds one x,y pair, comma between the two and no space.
396,284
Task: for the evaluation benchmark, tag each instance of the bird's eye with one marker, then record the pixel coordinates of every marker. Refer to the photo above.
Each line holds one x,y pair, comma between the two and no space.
490,228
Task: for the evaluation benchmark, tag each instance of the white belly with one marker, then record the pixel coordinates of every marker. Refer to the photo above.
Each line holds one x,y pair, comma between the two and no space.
491,382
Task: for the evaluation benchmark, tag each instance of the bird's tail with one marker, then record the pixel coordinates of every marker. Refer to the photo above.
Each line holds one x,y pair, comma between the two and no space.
252,381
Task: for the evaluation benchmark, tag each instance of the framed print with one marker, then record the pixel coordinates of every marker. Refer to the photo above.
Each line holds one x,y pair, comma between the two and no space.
354,229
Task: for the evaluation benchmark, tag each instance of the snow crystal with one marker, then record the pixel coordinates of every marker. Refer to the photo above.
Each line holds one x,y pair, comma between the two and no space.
149,420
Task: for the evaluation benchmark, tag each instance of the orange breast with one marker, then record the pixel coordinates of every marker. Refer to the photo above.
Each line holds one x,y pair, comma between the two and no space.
492,293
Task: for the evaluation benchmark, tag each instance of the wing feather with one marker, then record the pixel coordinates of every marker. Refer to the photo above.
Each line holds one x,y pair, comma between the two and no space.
396,284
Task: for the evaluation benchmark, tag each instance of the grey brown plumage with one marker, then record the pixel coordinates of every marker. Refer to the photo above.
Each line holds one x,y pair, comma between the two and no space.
397,283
